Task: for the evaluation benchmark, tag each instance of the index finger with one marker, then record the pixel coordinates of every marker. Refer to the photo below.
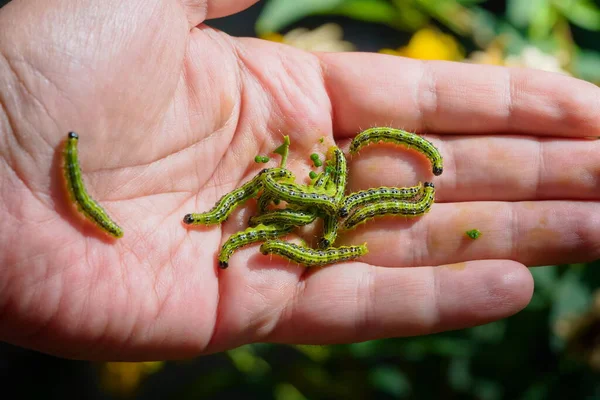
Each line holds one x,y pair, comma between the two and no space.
369,90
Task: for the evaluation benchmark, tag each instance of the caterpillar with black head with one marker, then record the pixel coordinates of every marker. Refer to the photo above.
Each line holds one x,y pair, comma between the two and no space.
330,231
393,208
302,196
248,236
312,257
78,193
229,202
284,217
340,172
374,195
403,138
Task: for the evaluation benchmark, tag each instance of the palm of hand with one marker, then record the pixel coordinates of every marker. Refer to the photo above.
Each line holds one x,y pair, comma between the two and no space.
170,119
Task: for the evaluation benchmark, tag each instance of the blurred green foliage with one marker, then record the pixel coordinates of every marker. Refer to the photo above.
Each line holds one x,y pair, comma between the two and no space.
545,24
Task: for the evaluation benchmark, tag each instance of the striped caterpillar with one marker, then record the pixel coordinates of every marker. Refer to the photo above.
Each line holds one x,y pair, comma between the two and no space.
399,137
78,193
311,257
393,208
229,202
250,235
374,195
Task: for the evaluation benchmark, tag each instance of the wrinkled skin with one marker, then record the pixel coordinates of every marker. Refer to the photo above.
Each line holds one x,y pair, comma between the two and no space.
171,113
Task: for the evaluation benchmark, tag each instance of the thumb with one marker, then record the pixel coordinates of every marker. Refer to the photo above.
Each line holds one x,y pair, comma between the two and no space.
200,10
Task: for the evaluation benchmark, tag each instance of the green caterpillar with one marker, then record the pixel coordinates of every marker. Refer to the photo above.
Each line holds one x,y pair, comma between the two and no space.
400,137
250,235
78,193
284,217
311,257
229,202
374,195
393,208
302,196
330,230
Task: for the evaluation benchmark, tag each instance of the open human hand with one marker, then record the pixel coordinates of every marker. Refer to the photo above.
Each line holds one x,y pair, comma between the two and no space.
171,113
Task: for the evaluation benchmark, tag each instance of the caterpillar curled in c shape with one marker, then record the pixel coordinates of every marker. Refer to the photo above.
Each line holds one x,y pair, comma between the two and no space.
250,235
402,138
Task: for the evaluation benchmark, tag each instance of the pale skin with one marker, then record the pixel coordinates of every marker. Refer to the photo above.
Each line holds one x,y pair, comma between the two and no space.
171,114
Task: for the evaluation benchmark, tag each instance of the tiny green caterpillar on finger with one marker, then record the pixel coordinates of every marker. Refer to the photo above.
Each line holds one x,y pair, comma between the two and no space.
249,236
284,217
78,193
229,202
374,195
399,137
311,257
393,208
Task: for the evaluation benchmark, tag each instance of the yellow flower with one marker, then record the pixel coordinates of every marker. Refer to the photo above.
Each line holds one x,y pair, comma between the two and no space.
430,44
493,55
327,37
124,378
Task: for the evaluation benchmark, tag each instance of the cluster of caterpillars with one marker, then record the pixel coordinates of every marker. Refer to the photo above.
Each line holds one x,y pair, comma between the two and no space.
325,197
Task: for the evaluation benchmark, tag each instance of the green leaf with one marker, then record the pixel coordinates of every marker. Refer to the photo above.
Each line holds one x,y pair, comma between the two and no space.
364,349
459,375
571,295
546,279
470,2
571,298
587,66
543,20
517,41
246,362
379,11
283,150
409,16
439,345
287,391
277,14
488,390
391,381
520,13
491,333
318,354
583,13
538,16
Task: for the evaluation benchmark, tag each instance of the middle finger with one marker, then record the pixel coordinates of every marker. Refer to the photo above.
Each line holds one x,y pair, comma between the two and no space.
488,168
